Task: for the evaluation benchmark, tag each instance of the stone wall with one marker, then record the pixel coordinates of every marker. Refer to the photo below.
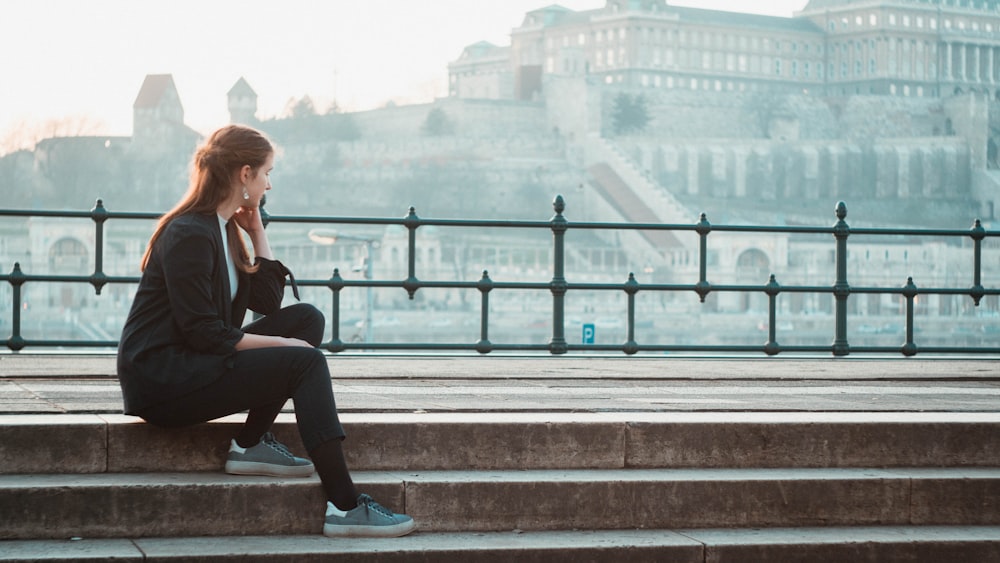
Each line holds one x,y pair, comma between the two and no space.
810,175
469,118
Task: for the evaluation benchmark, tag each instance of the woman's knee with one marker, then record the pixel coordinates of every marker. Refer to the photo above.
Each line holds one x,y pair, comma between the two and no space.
312,323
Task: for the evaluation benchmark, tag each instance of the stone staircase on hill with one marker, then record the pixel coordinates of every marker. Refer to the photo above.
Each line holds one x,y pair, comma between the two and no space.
664,206
545,486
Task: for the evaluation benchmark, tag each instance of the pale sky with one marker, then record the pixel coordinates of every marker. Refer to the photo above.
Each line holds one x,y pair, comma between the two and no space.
86,60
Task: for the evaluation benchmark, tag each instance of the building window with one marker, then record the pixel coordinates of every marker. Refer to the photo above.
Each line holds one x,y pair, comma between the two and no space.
843,69
832,26
920,22
857,68
906,21
872,20
795,68
872,67
777,67
581,39
805,69
892,19
858,21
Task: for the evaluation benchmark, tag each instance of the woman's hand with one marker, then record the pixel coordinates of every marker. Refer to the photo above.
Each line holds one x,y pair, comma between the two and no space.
248,219
251,341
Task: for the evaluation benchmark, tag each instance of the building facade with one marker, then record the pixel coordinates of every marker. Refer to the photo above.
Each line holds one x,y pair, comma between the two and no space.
918,48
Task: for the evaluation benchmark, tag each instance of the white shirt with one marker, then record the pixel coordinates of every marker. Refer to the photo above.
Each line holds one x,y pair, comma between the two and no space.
234,280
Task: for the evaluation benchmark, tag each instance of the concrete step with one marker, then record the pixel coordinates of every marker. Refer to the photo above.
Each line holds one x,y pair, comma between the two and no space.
502,441
109,505
912,544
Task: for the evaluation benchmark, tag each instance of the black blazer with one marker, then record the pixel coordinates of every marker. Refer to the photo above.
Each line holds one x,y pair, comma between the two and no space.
181,332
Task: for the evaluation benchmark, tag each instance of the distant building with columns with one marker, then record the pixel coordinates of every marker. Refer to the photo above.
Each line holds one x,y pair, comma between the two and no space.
920,48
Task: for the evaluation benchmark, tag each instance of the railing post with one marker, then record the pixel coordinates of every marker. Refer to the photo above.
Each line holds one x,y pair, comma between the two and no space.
771,347
99,214
841,289
16,342
910,292
411,222
978,233
336,284
485,285
631,288
558,285
703,228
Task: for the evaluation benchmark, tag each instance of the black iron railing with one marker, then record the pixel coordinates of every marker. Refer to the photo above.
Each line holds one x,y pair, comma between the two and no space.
559,286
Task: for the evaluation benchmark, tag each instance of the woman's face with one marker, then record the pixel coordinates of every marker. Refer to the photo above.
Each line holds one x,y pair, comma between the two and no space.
260,182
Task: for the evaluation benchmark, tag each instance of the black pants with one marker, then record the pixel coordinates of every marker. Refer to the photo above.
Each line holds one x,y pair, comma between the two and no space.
262,380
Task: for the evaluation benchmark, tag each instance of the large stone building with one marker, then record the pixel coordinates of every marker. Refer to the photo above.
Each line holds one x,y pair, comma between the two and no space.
832,47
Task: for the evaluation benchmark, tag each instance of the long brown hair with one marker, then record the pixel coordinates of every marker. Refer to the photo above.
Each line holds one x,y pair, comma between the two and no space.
214,165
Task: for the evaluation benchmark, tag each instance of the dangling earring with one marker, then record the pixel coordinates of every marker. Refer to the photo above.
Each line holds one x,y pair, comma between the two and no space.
246,194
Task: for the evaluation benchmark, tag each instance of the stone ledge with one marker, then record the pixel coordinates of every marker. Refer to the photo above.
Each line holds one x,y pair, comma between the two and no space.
913,544
162,504
434,441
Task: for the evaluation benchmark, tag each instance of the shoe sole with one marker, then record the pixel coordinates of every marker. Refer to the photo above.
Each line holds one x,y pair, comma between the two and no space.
268,469
358,531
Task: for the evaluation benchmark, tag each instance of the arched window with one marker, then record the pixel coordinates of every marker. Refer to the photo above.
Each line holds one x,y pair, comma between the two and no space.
68,256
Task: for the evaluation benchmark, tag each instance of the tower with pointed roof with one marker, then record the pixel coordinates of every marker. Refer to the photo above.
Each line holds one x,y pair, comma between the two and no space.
158,118
242,103
157,103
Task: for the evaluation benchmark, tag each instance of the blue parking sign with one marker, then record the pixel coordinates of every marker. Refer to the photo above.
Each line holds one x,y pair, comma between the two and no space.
588,333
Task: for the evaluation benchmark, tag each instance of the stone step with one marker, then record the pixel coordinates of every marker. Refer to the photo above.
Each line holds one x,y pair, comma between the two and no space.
502,441
109,505
912,544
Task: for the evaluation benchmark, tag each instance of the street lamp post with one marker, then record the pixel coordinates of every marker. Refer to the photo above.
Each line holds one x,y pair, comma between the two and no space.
329,237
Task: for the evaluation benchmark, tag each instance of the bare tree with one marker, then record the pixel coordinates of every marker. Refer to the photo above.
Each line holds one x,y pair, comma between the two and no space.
25,134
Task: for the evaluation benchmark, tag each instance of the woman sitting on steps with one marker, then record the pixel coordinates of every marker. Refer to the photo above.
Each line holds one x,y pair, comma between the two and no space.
184,359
